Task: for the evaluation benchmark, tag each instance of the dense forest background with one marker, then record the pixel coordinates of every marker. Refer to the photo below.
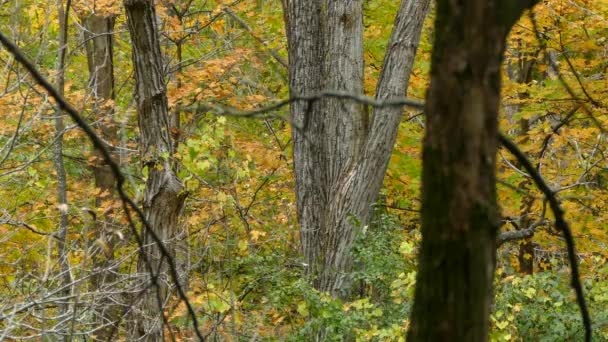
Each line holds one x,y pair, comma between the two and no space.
208,117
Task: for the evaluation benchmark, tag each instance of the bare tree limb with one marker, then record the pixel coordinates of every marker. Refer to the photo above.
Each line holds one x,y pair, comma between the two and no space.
525,233
221,110
561,224
26,226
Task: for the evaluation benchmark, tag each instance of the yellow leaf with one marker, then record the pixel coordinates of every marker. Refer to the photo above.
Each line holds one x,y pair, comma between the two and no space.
303,309
502,325
242,245
256,234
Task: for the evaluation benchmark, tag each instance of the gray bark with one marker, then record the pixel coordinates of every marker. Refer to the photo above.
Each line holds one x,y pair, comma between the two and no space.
164,193
341,155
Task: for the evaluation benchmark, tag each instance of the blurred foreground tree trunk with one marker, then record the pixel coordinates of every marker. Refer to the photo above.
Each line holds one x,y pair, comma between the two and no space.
460,216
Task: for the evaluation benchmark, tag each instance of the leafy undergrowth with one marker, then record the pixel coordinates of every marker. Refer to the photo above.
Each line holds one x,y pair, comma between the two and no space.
276,303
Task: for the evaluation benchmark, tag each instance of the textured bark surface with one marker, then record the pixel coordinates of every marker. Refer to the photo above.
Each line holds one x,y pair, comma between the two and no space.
164,196
341,155
459,211
99,41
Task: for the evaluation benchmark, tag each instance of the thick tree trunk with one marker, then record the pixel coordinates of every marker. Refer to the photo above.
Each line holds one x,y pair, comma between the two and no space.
459,210
164,194
340,157
99,44
331,142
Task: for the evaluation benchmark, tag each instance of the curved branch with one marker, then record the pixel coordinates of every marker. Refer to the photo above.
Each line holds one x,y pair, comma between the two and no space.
560,223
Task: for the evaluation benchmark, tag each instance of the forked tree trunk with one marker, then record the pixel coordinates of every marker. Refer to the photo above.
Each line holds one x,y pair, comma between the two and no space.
459,210
164,193
341,154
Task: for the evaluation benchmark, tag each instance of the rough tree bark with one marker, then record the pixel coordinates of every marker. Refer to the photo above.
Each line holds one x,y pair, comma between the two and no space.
164,193
459,211
341,155
99,44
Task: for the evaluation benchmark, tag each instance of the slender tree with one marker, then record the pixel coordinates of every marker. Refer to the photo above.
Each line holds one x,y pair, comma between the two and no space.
62,187
164,193
522,70
341,154
459,211
99,44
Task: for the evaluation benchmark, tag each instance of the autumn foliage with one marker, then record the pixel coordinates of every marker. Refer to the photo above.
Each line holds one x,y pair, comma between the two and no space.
241,247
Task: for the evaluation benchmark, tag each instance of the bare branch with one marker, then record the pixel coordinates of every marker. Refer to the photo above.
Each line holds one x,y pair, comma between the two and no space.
26,226
526,233
221,110
560,223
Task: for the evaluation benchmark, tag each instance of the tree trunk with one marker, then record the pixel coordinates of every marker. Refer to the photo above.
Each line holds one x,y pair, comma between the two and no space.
100,58
99,43
164,193
62,187
459,210
340,157
522,71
